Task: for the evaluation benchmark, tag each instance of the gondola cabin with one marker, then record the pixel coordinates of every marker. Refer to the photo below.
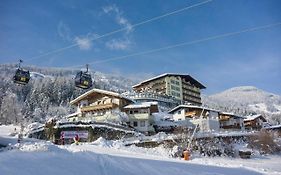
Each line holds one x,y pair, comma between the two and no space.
21,76
83,80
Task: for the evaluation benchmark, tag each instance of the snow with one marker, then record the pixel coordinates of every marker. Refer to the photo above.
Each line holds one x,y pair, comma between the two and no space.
274,127
224,134
247,98
45,158
141,105
8,134
192,106
258,107
81,97
112,157
252,117
277,107
7,130
269,165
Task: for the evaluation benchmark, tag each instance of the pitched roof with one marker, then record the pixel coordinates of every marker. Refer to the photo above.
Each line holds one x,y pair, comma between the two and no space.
232,115
191,106
141,105
185,76
253,117
274,127
100,91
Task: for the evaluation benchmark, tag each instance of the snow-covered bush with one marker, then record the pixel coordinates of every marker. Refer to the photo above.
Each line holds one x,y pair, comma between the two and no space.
264,142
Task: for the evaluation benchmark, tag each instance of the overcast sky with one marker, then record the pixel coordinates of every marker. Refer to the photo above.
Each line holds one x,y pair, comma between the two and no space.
30,29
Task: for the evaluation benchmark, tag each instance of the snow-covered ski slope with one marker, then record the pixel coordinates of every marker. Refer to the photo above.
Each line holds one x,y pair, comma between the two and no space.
112,158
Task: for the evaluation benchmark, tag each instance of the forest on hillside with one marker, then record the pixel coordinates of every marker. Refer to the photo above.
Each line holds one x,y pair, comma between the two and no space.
47,95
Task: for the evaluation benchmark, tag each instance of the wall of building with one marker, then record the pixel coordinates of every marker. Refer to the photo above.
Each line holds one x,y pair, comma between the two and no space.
179,115
206,124
141,125
140,119
254,124
174,86
233,124
191,93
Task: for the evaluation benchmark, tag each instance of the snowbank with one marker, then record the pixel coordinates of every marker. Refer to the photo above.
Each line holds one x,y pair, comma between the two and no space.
45,159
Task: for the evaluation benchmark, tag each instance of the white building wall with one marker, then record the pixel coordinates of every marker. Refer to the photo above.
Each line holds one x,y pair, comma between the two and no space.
179,115
147,127
207,125
213,125
213,115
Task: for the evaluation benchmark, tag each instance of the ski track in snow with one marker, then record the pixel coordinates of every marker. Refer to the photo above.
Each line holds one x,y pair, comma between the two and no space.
102,157
61,161
45,158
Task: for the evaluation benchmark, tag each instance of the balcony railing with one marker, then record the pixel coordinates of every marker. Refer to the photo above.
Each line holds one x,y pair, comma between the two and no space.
153,96
99,107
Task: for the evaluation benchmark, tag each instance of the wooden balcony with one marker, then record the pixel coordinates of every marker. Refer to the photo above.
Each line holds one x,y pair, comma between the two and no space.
190,114
231,127
99,107
224,118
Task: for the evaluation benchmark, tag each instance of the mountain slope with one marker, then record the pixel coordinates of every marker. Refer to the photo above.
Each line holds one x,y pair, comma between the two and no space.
246,99
48,92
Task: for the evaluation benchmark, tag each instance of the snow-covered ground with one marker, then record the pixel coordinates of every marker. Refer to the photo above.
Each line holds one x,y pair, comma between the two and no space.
8,134
108,157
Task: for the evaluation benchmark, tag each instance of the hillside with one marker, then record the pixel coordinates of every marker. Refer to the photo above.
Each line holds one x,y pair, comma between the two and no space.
245,100
48,93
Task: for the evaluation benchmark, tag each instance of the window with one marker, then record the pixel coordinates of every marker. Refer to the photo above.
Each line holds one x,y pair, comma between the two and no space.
179,112
142,123
131,112
175,82
175,88
135,124
143,111
175,94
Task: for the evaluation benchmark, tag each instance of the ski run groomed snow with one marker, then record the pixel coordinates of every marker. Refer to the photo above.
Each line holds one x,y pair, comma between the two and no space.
103,157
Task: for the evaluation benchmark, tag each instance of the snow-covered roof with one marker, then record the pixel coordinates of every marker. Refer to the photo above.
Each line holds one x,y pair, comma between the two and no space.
232,114
140,105
274,127
253,117
100,91
73,114
187,76
191,106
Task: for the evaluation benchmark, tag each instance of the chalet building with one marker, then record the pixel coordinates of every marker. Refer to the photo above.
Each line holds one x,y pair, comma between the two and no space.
230,121
182,87
254,122
140,115
99,105
105,106
208,122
